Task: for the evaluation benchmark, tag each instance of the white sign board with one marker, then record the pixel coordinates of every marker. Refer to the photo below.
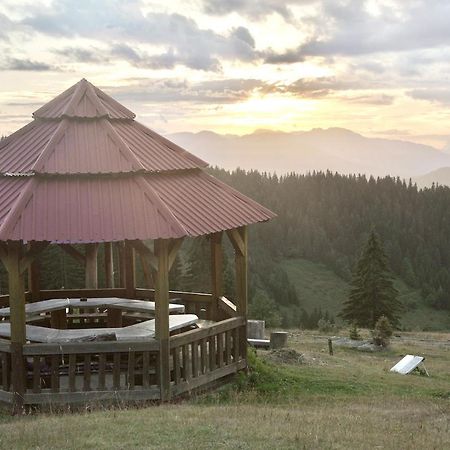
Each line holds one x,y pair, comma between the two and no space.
407,364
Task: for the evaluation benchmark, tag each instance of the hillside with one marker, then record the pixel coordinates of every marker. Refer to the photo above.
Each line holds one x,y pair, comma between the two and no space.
319,287
334,149
440,176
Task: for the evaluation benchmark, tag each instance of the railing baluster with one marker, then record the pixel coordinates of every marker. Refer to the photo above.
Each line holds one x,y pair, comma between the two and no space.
101,371
36,374
203,356
212,353
195,359
72,372
5,371
116,371
176,365
55,373
145,369
219,360
187,366
228,347
130,371
87,373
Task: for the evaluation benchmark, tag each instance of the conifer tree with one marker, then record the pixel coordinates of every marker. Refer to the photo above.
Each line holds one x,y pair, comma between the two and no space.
373,294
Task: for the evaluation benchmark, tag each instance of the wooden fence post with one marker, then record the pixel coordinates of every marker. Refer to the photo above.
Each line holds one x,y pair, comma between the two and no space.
216,273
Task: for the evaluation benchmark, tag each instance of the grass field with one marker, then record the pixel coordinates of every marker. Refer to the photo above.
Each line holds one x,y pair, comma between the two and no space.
349,400
317,286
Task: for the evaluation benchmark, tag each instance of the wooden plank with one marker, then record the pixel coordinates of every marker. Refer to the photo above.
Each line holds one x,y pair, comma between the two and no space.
237,240
116,371
82,293
87,372
195,297
187,366
90,347
203,356
195,359
36,374
228,347
219,359
74,253
209,377
162,315
91,266
216,274
145,369
54,371
176,365
175,245
109,264
72,372
197,334
149,256
5,371
151,393
33,252
101,371
58,319
228,307
130,370
212,352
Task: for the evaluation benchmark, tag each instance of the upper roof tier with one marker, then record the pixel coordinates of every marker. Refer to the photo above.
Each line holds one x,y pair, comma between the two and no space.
85,101
85,171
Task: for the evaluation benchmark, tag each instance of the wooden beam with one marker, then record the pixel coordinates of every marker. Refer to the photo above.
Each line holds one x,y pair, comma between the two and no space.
91,267
241,262
216,273
34,280
146,253
74,253
33,252
109,265
129,270
17,319
237,240
174,246
162,316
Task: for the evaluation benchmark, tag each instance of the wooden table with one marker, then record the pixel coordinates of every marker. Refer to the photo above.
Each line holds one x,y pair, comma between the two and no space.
57,307
140,331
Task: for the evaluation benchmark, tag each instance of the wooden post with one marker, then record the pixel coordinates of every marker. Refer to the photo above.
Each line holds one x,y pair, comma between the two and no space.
241,287
109,265
162,316
91,266
17,318
216,273
129,271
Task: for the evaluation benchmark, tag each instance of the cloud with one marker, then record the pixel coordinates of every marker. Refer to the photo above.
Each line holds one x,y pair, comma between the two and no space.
26,65
184,42
81,55
162,90
435,95
249,8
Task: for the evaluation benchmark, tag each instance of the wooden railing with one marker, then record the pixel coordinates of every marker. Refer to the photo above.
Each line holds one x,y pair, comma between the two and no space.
69,373
5,372
202,356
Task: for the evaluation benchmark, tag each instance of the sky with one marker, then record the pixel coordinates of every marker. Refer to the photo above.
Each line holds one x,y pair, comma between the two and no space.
377,67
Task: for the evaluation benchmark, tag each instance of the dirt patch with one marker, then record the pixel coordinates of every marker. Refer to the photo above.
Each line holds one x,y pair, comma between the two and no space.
285,356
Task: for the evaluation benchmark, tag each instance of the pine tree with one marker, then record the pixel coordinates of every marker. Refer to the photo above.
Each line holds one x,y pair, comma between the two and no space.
373,294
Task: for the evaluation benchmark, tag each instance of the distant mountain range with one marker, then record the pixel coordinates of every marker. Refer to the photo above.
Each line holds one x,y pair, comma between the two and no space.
335,149
440,176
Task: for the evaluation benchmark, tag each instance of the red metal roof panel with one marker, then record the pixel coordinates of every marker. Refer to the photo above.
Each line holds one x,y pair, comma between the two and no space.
20,150
202,204
87,210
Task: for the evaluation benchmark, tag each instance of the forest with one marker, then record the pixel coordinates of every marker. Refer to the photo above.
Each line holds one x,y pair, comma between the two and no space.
321,217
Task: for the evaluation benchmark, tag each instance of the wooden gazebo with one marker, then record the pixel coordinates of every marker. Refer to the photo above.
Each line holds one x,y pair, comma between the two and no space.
82,174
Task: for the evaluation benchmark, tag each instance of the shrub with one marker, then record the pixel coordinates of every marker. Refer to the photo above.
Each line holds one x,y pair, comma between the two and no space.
325,325
382,332
354,333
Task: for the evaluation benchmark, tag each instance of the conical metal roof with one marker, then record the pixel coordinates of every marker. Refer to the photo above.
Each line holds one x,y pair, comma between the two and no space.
85,171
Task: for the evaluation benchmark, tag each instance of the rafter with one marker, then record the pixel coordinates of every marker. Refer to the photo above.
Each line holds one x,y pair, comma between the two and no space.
74,253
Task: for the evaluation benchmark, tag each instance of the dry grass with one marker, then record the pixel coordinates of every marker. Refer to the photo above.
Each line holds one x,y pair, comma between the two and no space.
348,400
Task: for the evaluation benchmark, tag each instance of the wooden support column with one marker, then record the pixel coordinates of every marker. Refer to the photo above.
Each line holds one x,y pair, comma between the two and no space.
17,318
129,270
216,273
91,266
162,316
109,265
240,243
